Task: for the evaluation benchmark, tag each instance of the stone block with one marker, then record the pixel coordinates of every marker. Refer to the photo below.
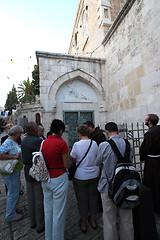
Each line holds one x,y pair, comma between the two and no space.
140,71
137,88
133,103
126,104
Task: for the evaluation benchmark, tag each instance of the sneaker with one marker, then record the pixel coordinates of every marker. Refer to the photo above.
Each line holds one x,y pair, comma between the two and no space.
16,217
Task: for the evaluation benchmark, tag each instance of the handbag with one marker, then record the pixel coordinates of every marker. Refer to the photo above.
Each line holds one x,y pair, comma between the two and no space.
73,167
8,166
39,169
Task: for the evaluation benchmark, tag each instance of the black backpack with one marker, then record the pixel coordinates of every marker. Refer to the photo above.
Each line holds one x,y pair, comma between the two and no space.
124,187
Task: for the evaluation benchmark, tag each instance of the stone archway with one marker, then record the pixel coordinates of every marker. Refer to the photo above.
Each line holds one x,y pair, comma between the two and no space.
82,76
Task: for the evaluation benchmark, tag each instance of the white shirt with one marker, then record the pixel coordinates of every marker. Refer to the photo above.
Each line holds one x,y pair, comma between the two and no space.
87,168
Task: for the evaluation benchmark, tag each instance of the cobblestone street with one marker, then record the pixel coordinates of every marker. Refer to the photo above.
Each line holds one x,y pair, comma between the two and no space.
21,229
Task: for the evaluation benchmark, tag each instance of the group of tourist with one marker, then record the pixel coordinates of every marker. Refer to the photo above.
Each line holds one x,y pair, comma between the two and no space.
47,200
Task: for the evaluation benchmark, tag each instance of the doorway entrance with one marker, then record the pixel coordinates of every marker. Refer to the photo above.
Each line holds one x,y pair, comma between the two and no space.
73,119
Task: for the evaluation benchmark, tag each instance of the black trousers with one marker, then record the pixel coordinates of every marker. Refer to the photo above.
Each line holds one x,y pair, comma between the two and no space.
143,217
86,195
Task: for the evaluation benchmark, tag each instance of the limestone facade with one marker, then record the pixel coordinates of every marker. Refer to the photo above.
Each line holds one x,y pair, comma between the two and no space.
132,64
113,67
92,22
131,48
32,112
71,83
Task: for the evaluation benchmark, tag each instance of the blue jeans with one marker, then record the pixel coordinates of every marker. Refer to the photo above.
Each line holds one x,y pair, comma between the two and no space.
12,182
55,198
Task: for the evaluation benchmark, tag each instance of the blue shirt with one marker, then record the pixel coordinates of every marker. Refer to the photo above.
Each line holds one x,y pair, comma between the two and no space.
11,148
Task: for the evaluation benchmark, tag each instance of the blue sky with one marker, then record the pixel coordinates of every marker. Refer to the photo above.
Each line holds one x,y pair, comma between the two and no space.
27,26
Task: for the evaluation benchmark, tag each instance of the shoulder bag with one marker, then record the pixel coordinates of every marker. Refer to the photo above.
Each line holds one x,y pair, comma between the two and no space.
39,169
8,166
73,167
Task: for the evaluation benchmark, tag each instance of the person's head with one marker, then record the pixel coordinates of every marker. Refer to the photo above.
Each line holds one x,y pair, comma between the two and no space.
83,130
90,126
15,132
8,126
31,128
40,130
111,129
49,133
57,127
151,120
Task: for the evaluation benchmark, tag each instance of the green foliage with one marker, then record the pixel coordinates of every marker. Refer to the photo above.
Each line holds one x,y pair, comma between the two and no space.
12,100
26,92
35,81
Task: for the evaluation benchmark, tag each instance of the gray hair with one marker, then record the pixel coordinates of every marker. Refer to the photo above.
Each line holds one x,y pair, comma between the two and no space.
14,130
40,127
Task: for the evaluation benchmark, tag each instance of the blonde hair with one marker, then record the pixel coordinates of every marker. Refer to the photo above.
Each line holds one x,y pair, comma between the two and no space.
83,130
8,126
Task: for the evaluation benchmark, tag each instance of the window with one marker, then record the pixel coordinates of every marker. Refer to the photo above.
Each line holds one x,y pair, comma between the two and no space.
106,13
85,27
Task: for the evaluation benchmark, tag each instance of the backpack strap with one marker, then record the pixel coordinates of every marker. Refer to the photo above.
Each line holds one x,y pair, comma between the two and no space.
40,150
121,159
115,149
127,152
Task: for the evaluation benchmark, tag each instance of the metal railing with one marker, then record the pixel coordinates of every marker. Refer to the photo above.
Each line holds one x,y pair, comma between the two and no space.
135,134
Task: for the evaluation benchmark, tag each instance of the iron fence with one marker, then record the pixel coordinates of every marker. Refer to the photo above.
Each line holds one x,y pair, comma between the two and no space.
135,134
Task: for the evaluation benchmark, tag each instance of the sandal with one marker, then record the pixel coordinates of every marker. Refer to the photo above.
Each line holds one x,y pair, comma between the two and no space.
82,229
94,227
21,192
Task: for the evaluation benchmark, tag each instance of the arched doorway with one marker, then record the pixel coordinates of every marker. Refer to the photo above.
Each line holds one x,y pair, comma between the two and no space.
38,119
77,102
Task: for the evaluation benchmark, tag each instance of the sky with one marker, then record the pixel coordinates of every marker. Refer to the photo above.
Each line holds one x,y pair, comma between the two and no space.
27,26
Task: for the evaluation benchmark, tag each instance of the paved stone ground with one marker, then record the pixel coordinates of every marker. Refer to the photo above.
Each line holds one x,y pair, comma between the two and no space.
21,229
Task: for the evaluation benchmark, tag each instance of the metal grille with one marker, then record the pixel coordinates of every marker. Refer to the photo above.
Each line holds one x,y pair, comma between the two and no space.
135,134
73,119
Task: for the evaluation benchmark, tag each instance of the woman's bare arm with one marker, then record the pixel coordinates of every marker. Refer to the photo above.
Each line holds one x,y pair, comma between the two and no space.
73,160
7,157
65,158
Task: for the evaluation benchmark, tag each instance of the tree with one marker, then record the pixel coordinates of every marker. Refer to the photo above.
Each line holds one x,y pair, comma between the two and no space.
26,91
35,81
12,100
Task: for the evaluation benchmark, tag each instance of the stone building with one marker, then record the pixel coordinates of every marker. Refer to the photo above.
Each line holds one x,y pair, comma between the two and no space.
93,20
112,70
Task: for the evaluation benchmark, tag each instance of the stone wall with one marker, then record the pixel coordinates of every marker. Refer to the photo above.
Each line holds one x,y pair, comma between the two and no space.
29,110
131,47
70,83
126,85
132,70
92,22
